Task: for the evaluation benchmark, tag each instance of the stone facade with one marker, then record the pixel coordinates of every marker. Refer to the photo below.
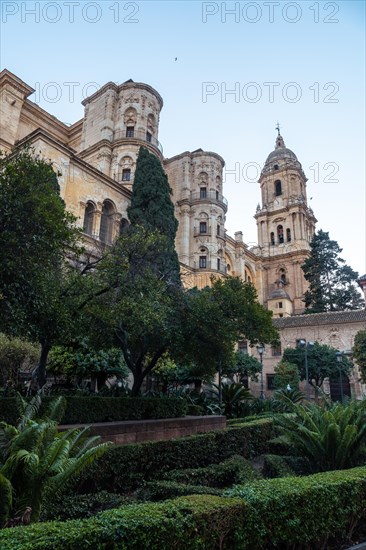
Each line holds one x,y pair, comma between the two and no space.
96,157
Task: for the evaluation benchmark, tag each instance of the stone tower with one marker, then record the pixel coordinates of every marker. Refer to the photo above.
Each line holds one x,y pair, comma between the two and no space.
196,181
285,226
117,121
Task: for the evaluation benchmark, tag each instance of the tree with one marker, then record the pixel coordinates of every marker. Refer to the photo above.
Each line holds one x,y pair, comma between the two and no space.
137,313
36,236
215,318
242,367
359,352
322,363
152,208
332,283
286,374
38,460
16,355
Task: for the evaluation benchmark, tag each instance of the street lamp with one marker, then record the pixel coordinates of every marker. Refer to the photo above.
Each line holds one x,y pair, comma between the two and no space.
260,349
339,356
306,345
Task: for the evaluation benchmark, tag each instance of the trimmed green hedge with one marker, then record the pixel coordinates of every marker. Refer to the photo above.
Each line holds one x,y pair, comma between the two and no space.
233,470
163,490
275,513
126,467
88,410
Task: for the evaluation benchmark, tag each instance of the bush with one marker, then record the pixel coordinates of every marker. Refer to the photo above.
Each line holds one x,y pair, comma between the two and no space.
274,513
126,467
16,356
81,506
233,470
88,410
6,500
310,509
276,466
163,490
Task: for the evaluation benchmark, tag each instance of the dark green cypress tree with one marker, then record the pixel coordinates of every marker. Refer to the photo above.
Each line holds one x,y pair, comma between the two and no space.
332,283
152,208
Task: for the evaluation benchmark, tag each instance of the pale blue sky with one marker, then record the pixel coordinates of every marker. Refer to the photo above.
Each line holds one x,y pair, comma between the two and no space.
318,57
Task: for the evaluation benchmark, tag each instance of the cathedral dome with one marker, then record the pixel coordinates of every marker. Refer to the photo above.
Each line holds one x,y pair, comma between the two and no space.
280,157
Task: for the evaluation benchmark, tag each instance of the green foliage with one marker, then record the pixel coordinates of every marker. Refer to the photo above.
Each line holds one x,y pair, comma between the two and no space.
36,234
84,362
127,466
276,466
233,395
215,319
262,514
88,410
37,459
163,490
359,352
286,374
16,355
152,208
64,507
6,500
322,363
333,438
332,283
235,469
243,366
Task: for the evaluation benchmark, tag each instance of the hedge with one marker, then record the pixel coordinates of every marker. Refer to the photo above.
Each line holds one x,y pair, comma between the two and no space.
163,490
233,470
88,410
125,467
274,513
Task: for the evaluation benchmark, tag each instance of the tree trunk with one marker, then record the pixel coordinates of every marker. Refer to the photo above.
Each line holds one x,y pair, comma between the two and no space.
137,383
41,370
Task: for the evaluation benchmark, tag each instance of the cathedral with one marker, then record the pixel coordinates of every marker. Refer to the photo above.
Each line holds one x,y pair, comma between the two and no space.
96,158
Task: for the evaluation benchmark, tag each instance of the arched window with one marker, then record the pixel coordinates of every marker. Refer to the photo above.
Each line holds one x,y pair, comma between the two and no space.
123,226
283,278
278,188
106,222
126,174
272,238
88,225
280,234
288,235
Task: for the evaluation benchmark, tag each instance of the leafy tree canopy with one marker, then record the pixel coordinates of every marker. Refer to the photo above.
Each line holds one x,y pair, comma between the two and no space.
243,366
332,283
36,236
359,352
286,374
322,363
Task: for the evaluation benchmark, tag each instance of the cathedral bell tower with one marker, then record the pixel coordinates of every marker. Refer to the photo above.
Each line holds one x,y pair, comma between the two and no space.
285,226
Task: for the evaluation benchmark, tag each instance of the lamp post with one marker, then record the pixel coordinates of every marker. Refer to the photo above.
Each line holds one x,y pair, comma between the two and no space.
260,349
339,356
220,387
304,344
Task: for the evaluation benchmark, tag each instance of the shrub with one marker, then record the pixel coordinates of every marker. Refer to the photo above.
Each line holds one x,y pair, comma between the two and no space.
88,410
309,509
276,513
276,466
233,470
6,499
127,466
330,439
15,356
81,506
163,490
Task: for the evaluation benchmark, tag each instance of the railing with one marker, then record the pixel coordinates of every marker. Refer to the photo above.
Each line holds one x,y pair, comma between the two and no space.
209,196
210,266
197,232
138,134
